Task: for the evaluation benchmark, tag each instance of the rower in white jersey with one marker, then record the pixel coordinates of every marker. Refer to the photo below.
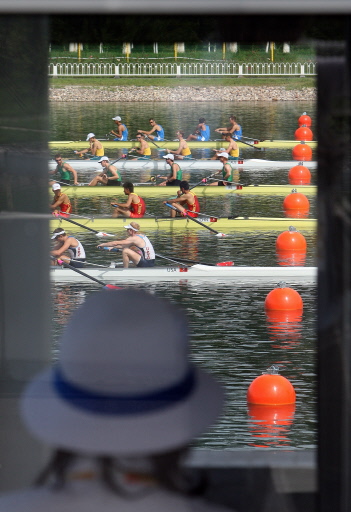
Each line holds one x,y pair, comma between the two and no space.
69,245
136,248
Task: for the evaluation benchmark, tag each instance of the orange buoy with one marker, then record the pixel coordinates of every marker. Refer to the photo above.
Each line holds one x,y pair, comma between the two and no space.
303,133
302,152
283,298
291,240
291,258
299,175
271,389
304,119
296,201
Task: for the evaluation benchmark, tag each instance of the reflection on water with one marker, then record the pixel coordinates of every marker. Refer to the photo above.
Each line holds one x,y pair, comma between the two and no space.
230,332
230,336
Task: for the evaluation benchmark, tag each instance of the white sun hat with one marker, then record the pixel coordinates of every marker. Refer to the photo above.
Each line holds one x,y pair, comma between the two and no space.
117,118
90,135
103,159
169,156
56,186
123,384
223,154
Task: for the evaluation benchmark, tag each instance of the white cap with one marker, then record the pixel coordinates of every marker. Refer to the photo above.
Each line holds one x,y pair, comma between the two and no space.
56,186
103,159
58,234
90,135
224,154
117,118
134,227
169,156
112,394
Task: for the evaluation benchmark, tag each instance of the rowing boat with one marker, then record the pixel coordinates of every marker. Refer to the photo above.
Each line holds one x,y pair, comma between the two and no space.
197,272
153,190
110,144
166,223
161,165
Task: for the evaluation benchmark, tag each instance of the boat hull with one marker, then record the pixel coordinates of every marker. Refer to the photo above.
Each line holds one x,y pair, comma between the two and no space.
196,272
161,165
110,144
166,223
153,190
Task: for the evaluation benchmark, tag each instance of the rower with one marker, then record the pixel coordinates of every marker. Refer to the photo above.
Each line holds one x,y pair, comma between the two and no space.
136,248
144,149
65,170
121,131
202,131
227,170
186,203
156,129
183,151
176,176
134,207
95,148
110,176
232,148
70,245
234,129
61,204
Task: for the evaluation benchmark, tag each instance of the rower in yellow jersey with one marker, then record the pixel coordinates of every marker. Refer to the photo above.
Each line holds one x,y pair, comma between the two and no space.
232,149
95,148
183,151
144,149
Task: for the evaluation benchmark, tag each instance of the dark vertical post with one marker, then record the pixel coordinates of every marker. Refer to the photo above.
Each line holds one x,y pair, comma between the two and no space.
24,246
334,288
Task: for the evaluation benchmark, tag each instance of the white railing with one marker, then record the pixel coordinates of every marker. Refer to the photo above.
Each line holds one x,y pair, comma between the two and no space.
182,69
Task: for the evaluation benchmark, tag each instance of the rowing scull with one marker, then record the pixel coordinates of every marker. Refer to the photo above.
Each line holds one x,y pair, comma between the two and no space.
161,165
196,272
166,223
152,190
77,144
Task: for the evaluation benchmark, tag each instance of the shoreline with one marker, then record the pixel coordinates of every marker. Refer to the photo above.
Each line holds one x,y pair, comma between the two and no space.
180,93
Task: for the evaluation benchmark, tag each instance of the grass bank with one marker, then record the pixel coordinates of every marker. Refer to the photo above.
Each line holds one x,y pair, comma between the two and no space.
289,83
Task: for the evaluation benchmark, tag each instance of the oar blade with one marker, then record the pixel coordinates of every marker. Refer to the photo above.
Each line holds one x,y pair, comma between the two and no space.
101,234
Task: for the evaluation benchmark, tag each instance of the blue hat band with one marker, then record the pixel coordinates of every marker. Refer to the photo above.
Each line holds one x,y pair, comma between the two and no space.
106,404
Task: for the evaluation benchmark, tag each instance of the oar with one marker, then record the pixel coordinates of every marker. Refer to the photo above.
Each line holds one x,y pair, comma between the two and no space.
250,145
92,264
217,233
109,286
121,157
184,260
98,233
64,184
204,180
167,258
154,143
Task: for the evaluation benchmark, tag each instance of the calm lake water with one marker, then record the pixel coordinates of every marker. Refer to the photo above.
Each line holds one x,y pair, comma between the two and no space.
231,335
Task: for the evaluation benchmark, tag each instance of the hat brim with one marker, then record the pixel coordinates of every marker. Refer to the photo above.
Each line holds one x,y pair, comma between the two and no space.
57,423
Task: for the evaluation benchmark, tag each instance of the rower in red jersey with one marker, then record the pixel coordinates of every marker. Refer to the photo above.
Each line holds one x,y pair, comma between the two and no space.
134,207
186,203
61,204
